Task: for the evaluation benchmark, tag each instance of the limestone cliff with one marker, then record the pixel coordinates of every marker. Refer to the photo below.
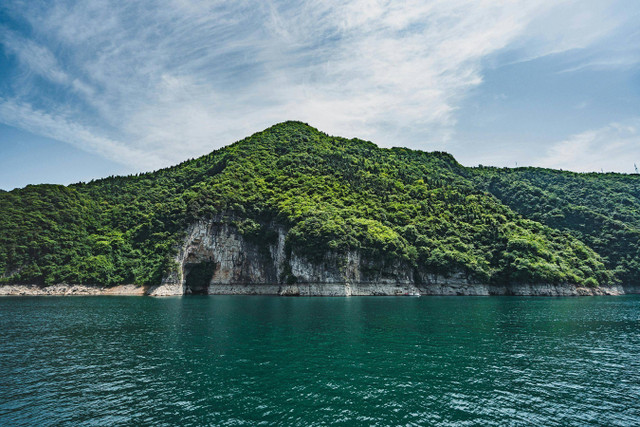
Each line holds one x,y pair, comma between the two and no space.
228,262
240,265
243,266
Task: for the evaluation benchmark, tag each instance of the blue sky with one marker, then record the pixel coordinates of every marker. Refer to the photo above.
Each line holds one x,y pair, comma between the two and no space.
89,89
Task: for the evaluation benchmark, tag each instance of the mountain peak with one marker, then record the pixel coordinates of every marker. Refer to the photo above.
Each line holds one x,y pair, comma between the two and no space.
333,197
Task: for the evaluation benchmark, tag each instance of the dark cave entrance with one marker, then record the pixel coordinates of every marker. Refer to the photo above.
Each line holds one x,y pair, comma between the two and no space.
197,277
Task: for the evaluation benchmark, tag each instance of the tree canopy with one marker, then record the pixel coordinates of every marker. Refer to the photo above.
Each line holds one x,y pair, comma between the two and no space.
333,195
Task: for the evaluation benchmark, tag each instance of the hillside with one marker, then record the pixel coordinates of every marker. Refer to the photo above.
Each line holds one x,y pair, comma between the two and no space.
293,196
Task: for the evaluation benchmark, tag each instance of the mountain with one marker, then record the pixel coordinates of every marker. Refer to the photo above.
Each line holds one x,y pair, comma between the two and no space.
292,210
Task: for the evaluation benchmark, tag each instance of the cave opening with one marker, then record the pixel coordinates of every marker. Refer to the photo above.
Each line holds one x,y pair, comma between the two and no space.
198,276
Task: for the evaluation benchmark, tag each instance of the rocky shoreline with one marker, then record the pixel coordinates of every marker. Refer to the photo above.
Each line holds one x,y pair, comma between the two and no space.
69,289
242,266
325,289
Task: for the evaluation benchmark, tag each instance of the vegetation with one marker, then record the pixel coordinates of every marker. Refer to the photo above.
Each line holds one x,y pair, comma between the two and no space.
601,210
422,210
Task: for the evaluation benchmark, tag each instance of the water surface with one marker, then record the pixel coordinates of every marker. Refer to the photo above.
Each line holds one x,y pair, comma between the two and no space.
234,360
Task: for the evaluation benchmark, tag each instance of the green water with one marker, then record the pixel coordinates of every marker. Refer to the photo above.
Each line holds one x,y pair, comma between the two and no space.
229,360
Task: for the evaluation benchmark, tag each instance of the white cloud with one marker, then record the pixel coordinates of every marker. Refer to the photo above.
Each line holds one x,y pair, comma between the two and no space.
179,78
615,147
24,116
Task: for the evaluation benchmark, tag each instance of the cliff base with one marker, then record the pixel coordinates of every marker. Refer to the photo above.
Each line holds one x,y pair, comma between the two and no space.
330,289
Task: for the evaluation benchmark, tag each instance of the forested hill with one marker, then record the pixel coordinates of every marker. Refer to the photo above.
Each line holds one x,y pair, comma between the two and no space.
333,195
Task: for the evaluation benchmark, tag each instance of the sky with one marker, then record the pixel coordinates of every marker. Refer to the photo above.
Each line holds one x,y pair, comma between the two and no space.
96,88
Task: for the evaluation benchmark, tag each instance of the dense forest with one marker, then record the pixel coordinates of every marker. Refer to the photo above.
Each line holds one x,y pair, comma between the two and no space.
334,195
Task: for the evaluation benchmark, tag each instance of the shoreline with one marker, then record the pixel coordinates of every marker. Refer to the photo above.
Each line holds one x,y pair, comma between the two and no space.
324,289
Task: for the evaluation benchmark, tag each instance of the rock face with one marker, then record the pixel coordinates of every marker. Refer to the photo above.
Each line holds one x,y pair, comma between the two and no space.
217,258
236,260
244,266
240,265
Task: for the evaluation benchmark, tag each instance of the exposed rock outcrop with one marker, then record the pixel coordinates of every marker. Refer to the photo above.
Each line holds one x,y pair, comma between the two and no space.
70,289
243,265
246,267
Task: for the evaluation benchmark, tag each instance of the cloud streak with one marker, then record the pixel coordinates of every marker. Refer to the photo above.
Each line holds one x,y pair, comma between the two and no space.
149,84
22,115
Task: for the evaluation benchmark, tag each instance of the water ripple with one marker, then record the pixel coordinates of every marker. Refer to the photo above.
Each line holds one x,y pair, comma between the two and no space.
313,361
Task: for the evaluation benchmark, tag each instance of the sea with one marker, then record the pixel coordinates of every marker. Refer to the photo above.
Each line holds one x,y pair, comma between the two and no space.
260,360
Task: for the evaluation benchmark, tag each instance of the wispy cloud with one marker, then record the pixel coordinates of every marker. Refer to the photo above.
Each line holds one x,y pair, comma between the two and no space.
615,147
614,62
33,57
152,83
22,115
